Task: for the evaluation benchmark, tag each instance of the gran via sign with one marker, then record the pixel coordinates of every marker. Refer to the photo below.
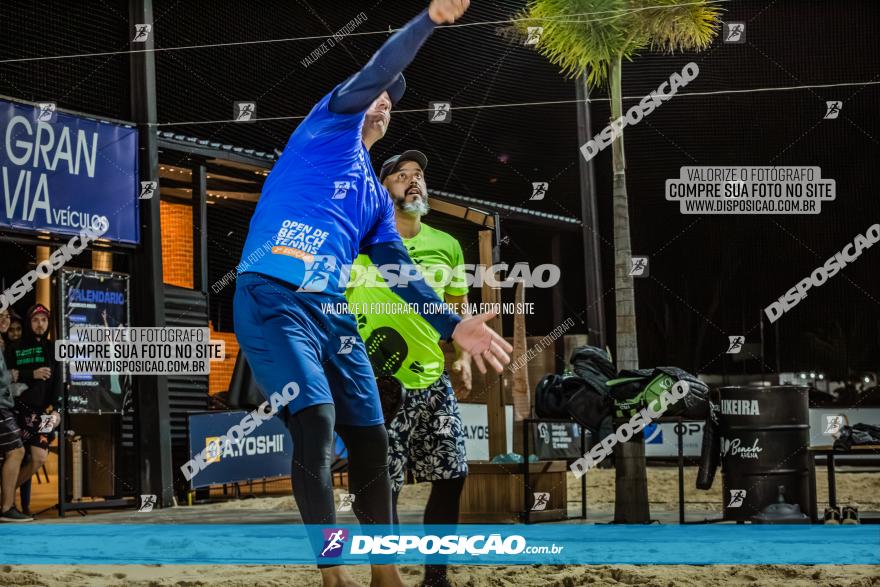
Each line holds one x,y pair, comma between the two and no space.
61,173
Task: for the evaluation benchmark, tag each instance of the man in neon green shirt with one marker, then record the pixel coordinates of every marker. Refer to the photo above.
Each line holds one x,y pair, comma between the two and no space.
426,437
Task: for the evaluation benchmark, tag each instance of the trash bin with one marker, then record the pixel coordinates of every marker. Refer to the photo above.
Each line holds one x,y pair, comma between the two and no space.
765,433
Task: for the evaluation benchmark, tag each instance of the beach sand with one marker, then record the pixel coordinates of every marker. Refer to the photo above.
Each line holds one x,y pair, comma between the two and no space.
859,489
471,576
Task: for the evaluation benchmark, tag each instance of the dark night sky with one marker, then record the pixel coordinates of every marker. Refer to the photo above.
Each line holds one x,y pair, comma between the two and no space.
711,276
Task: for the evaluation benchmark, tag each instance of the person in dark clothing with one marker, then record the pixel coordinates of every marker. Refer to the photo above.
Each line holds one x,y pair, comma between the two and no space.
13,335
34,359
12,340
10,441
24,491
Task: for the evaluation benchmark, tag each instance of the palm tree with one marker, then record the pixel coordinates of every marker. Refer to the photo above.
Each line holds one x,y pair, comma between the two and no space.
588,40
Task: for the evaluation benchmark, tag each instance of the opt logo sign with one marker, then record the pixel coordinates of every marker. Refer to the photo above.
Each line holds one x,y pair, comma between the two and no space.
653,434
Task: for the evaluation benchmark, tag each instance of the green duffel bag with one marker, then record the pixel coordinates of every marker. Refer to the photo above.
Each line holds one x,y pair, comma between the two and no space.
636,389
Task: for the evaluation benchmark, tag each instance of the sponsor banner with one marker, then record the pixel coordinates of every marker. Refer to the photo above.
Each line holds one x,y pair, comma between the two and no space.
266,452
236,435
59,172
508,544
476,430
661,439
557,440
91,298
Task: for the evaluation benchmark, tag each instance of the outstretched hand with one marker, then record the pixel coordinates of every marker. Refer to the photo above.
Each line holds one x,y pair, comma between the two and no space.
447,11
482,343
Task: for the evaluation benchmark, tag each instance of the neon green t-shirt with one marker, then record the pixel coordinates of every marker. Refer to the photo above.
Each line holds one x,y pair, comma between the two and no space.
400,342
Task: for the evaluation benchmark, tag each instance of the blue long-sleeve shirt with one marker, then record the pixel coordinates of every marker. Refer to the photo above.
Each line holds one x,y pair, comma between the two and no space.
384,68
322,204
417,291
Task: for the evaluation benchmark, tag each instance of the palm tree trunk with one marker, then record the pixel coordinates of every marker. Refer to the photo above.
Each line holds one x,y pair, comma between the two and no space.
631,486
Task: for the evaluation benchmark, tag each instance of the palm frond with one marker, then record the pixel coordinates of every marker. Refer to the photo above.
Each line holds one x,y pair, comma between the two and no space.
677,25
579,35
587,35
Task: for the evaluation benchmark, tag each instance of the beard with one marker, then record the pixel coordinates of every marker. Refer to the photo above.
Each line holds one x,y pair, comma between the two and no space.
419,207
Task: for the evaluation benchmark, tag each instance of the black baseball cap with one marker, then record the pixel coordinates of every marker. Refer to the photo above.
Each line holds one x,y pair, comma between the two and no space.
391,164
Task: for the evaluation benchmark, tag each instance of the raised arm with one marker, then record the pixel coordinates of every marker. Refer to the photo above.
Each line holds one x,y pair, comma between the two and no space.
470,333
380,72
415,291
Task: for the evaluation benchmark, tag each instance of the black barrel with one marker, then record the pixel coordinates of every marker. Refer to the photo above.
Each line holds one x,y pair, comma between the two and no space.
765,432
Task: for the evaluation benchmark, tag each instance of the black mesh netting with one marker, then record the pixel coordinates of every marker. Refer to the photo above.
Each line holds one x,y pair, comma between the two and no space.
710,276
95,85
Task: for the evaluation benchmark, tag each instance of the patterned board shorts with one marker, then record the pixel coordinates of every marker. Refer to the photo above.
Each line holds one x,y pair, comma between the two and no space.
10,435
29,423
426,437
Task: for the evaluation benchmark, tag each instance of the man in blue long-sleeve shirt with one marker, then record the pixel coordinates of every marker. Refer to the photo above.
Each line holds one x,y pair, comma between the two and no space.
321,206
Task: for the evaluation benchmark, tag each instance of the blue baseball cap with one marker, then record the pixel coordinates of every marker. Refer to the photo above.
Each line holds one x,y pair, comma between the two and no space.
397,89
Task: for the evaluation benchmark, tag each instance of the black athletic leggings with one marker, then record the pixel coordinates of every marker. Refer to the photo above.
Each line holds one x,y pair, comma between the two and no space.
442,509
312,432
443,502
